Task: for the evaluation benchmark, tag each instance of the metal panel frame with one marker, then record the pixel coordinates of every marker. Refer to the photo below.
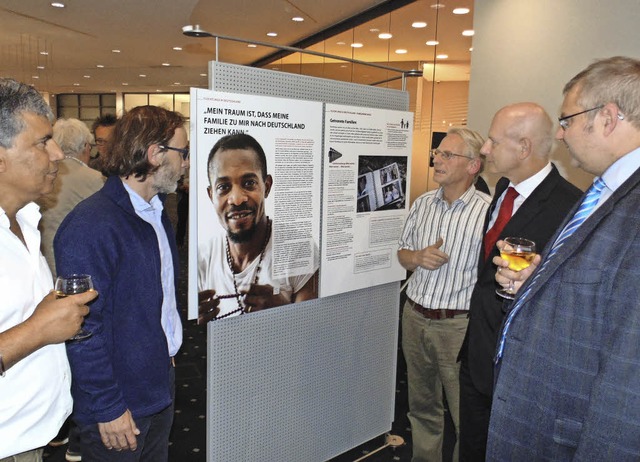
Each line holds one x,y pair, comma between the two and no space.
312,380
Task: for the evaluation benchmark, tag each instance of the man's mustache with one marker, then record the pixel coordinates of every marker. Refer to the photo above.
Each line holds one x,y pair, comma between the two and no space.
239,208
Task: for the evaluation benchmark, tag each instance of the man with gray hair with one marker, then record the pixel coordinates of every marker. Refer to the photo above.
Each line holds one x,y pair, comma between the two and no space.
567,362
531,200
34,371
76,181
440,244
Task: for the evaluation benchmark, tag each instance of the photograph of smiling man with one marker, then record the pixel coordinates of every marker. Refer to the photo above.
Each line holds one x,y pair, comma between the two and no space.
235,266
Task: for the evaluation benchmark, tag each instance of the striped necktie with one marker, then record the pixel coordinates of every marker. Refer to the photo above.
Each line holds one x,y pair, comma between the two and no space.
586,207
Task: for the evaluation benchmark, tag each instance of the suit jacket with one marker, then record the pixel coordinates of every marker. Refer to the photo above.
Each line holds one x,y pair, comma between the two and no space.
569,381
536,219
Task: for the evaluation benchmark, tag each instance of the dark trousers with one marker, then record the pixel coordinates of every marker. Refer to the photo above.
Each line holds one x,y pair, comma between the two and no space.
153,440
183,217
475,409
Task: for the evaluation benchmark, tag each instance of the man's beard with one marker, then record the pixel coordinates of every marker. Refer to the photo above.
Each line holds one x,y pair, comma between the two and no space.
243,236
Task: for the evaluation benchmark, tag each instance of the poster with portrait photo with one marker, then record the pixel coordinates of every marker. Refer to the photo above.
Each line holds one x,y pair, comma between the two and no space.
254,228
366,174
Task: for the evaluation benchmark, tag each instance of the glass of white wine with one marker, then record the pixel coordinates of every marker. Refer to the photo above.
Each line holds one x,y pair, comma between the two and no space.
519,252
71,285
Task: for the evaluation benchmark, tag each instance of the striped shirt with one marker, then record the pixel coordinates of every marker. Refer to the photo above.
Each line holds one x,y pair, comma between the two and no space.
460,226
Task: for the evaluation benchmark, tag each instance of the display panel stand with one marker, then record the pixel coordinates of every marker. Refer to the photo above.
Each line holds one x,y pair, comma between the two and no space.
308,381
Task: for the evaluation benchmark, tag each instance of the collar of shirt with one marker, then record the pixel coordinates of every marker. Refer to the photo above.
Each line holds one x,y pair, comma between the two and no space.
30,213
140,205
619,172
464,199
526,187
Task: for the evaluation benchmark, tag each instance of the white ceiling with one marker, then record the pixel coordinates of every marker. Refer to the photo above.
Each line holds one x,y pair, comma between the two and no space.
82,35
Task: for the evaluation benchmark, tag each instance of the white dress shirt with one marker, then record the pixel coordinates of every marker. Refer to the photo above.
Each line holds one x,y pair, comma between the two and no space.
34,394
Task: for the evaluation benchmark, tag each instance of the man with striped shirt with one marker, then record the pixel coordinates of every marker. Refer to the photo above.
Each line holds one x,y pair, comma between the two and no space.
440,243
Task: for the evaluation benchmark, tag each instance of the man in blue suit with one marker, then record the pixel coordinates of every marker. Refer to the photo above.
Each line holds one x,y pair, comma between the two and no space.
568,359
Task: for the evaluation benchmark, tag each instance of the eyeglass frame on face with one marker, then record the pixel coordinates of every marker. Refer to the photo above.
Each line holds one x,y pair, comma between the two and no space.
446,155
183,151
564,121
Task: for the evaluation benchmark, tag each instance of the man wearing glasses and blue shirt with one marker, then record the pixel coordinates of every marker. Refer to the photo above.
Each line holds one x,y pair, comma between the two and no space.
568,357
123,375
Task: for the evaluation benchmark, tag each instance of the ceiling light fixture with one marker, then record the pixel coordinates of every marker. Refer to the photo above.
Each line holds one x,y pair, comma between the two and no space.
35,76
357,45
115,51
460,10
177,48
385,36
340,43
437,6
468,33
142,75
442,56
166,64
86,76
100,66
125,83
419,25
203,75
76,84
297,19
176,83
432,43
40,67
44,53
401,51
272,34
471,49
252,45
57,4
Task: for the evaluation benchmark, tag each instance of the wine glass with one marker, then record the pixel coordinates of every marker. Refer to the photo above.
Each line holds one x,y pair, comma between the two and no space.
71,285
519,252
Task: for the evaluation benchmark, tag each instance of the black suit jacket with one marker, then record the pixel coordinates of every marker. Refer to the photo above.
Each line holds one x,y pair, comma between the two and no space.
536,219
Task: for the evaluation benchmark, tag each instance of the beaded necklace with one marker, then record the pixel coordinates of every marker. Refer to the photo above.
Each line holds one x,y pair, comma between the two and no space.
241,307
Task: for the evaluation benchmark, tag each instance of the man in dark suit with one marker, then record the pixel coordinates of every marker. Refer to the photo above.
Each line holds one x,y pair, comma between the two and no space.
568,367
518,147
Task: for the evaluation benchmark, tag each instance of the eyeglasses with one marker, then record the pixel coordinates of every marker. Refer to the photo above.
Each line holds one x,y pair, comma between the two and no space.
100,142
183,151
446,155
564,121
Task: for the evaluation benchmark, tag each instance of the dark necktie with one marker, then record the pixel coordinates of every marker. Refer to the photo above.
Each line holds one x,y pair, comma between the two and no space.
504,215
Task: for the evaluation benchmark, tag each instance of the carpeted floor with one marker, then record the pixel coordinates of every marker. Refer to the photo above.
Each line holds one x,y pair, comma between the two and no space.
188,438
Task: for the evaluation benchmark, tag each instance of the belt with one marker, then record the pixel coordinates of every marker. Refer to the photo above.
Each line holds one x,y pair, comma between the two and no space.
435,314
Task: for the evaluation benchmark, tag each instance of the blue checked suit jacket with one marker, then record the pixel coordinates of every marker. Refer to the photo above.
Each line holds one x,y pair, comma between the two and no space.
569,381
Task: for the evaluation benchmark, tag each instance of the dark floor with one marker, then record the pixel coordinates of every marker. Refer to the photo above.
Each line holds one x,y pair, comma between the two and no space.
188,442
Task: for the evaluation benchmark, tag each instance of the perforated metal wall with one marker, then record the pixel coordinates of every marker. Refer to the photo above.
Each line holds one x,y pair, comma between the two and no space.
312,380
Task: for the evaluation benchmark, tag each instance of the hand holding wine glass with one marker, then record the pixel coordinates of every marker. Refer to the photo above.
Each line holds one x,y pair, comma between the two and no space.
72,285
518,253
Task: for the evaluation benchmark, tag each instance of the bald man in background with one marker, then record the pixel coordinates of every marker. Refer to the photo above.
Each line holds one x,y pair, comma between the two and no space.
536,199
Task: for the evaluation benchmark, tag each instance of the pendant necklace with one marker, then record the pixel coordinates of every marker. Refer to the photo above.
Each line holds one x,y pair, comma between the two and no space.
242,309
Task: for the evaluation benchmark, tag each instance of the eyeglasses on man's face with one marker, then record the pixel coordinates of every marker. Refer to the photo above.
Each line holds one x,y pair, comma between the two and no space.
565,121
183,151
446,155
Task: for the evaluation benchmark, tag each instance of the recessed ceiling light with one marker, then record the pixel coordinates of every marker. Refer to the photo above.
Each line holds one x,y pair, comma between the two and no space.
40,67
125,83
343,65
374,30
468,33
471,49
100,66
252,45
437,6
297,19
340,43
385,35
166,64
401,51
76,84
44,53
357,45
115,51
272,34
176,83
86,76
460,10
35,76
442,56
203,75
177,48
419,25
57,4
432,43
142,75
